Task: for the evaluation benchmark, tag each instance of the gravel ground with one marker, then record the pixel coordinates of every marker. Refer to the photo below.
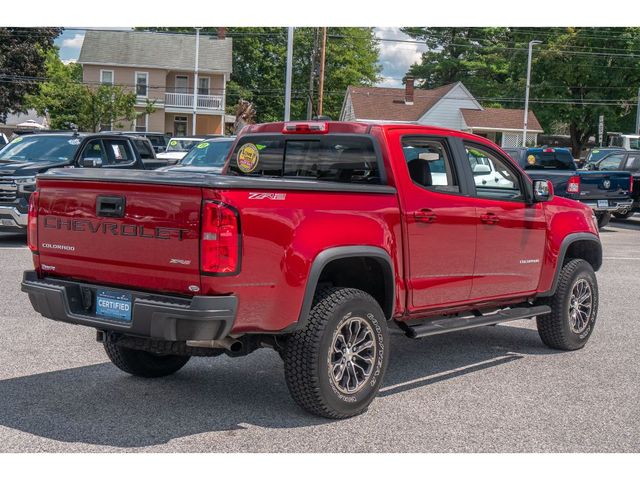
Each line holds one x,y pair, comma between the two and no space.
492,389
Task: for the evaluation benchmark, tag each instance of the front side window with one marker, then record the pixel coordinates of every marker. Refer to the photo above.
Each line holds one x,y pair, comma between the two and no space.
429,164
118,152
94,150
611,163
493,175
142,84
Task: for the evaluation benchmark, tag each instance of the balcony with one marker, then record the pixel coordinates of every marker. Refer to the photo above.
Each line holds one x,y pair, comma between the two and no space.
184,101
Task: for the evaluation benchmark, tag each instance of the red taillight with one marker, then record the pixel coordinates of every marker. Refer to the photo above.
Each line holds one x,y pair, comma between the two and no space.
549,150
32,222
573,185
306,127
220,242
631,184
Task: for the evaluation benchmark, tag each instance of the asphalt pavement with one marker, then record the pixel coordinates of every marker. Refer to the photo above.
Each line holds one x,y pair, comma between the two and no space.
491,389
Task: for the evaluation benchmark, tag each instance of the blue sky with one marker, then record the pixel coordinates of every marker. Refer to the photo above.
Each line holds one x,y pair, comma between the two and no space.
395,57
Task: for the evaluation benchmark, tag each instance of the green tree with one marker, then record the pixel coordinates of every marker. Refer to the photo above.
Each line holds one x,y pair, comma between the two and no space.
67,100
577,75
22,62
259,60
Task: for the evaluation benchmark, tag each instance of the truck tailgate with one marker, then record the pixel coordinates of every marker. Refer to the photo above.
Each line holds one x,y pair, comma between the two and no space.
152,244
604,185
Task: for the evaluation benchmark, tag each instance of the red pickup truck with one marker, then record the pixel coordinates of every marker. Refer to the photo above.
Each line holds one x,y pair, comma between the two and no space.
318,238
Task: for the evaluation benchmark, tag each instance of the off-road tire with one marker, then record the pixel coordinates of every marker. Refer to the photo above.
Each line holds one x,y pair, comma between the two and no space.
307,361
603,219
623,216
554,328
143,364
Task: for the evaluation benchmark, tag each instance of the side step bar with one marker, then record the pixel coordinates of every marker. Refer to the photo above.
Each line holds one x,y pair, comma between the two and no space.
452,324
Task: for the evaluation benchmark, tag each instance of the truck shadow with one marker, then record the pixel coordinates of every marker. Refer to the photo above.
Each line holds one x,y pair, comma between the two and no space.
99,405
12,240
631,223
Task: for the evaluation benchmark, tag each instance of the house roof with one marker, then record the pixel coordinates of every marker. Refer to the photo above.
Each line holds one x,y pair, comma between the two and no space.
499,119
156,50
377,103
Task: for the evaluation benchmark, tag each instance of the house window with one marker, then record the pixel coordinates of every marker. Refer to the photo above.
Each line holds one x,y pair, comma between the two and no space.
203,86
182,84
106,77
142,84
142,120
180,126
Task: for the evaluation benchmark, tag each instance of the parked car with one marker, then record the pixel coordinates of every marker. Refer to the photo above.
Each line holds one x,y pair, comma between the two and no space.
178,147
157,139
628,161
604,192
624,140
596,154
316,236
207,156
26,156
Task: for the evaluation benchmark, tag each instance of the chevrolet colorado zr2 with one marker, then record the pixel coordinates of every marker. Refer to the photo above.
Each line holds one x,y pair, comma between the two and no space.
317,237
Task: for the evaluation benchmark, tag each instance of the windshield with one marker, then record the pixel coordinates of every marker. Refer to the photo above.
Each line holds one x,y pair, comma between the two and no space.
182,144
40,148
208,154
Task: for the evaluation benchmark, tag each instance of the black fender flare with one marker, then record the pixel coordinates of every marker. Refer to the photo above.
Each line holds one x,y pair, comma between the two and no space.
335,253
566,243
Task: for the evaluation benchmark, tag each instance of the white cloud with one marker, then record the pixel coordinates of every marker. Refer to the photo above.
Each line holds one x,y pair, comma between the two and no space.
396,57
74,42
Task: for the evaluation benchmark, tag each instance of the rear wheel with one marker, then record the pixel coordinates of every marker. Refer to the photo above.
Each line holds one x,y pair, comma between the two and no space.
143,364
623,215
334,366
603,219
574,308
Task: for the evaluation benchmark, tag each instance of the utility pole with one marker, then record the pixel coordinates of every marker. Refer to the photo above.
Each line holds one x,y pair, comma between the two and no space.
287,88
195,84
312,74
526,95
323,49
638,114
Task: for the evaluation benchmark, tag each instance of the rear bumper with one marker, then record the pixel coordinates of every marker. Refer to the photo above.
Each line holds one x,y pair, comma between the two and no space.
614,206
13,214
161,317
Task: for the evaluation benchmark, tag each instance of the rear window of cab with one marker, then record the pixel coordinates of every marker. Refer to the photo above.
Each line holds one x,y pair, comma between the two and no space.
549,159
333,158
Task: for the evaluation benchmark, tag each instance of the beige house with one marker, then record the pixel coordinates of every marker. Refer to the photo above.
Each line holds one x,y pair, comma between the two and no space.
160,68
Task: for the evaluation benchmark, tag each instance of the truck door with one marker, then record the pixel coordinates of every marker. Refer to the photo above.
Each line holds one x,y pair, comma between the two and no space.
439,221
510,232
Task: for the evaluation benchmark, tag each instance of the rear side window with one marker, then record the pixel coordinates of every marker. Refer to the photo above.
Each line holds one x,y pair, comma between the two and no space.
334,158
633,163
118,152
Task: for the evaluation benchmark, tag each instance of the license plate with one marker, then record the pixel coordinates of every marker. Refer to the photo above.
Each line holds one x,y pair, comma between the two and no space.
603,203
113,305
7,222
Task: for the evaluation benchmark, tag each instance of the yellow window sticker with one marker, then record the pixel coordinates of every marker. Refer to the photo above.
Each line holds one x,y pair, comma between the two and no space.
173,143
202,145
531,159
17,139
248,157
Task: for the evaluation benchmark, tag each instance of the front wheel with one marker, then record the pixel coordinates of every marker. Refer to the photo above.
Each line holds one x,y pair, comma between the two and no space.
574,308
334,366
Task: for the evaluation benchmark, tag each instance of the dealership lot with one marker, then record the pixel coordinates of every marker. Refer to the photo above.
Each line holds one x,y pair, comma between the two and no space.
488,389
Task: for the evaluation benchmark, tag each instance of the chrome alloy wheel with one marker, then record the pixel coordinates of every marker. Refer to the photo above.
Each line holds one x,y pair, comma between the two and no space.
352,355
580,306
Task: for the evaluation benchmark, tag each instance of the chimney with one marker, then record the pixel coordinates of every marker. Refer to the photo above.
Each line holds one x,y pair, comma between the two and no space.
408,90
222,31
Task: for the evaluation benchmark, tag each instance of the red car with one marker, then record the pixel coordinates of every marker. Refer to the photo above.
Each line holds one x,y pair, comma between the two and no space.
318,236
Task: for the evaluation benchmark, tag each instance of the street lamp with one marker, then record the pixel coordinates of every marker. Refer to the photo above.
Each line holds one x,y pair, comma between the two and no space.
526,95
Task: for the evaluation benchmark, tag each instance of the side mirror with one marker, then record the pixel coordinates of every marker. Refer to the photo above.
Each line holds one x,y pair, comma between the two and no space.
542,190
480,169
91,162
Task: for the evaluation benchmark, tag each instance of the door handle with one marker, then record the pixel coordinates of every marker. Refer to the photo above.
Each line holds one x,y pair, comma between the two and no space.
489,218
425,215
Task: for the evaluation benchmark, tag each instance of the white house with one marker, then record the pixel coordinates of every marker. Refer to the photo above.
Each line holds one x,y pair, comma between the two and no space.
450,106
